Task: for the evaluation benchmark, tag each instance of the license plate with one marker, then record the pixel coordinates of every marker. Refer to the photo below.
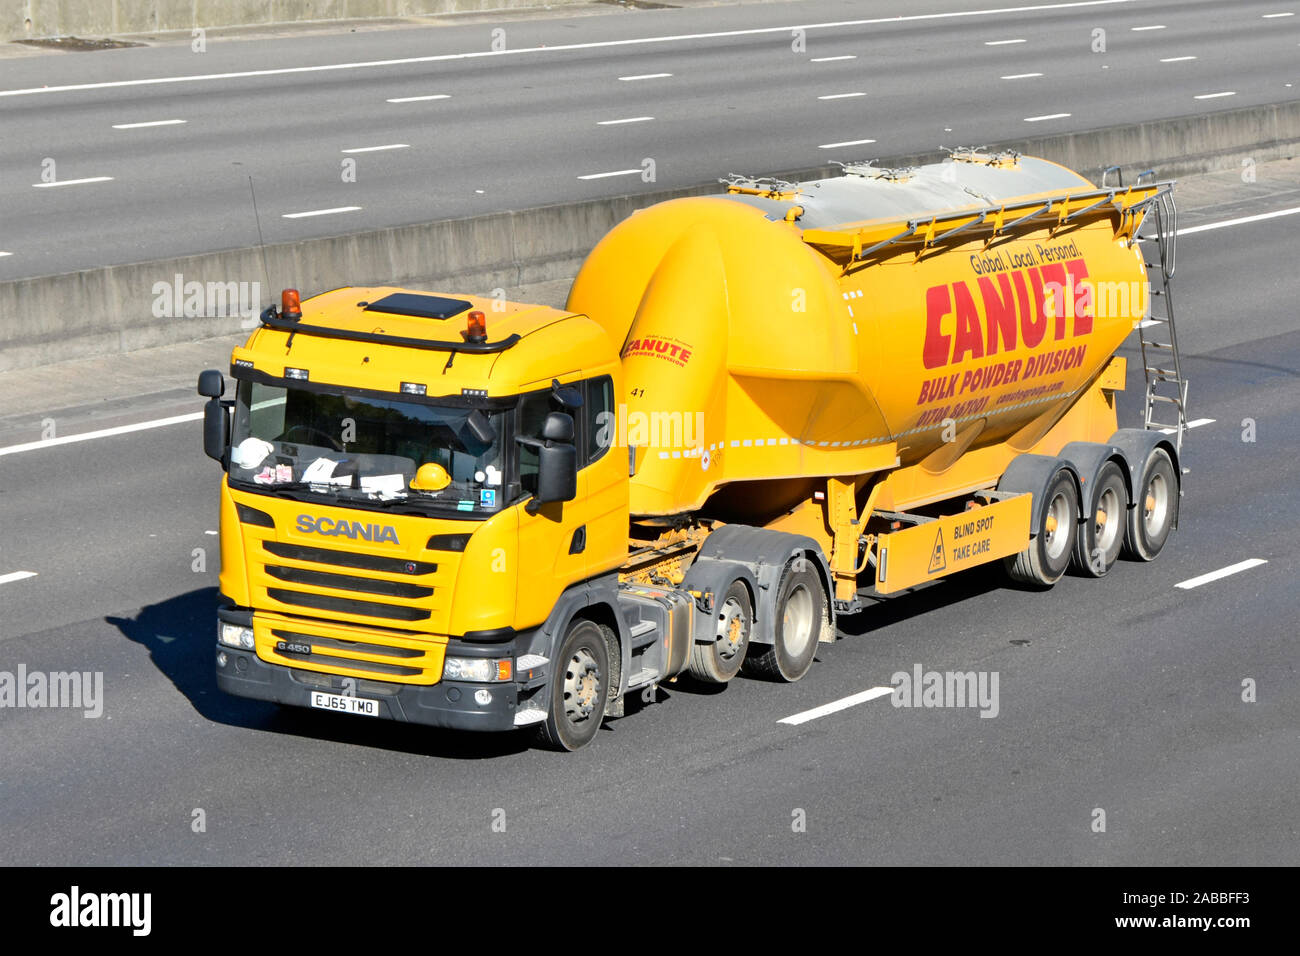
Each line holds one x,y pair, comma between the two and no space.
345,705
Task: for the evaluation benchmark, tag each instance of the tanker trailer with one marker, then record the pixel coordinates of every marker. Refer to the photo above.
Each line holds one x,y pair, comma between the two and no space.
761,410
895,374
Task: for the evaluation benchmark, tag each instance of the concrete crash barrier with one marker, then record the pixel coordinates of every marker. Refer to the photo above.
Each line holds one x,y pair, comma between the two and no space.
140,305
30,19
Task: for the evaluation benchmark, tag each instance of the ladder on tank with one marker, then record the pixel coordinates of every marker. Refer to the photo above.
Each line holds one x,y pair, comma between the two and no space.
1166,388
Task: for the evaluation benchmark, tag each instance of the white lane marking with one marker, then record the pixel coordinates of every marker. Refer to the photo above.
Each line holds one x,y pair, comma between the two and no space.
832,59
319,212
645,76
73,182
851,142
1274,16
1021,76
150,123
617,172
1206,227
835,706
209,532
376,149
101,433
1157,26
630,119
16,576
839,96
1048,116
1177,59
1212,96
1221,573
1192,424
420,99
564,47
1003,42
3,254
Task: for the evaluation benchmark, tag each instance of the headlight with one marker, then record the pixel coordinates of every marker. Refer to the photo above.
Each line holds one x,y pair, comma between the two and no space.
482,669
236,636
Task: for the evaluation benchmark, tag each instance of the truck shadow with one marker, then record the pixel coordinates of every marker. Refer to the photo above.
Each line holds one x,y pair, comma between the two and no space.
180,635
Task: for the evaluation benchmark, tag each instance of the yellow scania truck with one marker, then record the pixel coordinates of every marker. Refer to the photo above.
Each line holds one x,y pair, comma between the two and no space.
759,410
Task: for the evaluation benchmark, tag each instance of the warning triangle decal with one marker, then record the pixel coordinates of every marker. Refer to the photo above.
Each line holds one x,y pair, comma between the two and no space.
937,562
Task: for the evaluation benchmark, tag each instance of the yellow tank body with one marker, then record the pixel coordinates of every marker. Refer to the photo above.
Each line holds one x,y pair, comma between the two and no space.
857,324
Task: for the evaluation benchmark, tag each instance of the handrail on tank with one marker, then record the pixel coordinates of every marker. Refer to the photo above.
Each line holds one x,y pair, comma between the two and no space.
1037,207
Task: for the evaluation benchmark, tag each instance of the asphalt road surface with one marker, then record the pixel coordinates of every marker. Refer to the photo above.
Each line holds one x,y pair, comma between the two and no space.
137,154
1123,695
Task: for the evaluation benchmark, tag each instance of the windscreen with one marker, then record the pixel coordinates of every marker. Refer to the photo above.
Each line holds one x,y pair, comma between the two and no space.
367,449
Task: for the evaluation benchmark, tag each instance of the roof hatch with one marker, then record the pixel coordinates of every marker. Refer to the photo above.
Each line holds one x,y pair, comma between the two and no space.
421,306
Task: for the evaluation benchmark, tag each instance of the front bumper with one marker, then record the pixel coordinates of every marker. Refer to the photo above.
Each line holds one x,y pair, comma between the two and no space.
453,704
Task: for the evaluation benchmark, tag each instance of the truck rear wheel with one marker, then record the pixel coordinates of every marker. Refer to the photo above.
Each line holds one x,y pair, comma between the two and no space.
800,609
1155,507
579,691
1048,555
719,661
1101,533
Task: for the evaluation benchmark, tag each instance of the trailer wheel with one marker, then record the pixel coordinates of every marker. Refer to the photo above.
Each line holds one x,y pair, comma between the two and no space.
800,608
718,662
1049,553
578,690
1155,507
1101,532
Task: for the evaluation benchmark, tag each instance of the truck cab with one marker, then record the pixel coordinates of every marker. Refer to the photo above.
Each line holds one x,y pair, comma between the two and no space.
412,482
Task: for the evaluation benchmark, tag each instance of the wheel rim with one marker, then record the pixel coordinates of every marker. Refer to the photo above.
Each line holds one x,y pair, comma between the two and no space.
1106,523
731,629
1056,527
1155,507
582,686
797,620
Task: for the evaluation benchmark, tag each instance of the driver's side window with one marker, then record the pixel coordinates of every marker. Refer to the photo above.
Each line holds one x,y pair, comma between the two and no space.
533,409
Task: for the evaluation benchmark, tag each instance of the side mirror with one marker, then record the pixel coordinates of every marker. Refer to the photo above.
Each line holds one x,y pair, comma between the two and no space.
211,383
557,473
216,429
557,461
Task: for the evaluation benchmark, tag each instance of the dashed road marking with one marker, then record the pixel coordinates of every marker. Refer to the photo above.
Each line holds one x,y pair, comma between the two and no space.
1021,76
16,576
1214,96
1177,59
617,172
376,149
101,433
420,99
645,76
840,96
836,706
832,59
172,122
620,122
1047,116
1221,573
850,142
1206,227
319,212
74,182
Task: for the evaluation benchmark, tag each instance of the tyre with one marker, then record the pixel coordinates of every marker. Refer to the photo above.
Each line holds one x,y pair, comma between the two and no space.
718,662
1102,530
1049,553
800,609
1155,507
579,689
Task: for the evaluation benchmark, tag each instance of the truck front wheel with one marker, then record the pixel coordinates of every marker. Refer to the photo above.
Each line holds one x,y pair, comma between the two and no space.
579,691
800,607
